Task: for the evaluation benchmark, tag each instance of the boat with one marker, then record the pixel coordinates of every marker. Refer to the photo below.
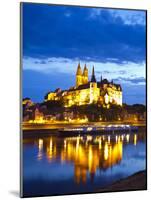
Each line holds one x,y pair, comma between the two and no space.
82,130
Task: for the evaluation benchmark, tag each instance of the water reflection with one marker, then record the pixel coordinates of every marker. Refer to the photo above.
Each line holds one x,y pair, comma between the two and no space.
86,153
40,149
135,139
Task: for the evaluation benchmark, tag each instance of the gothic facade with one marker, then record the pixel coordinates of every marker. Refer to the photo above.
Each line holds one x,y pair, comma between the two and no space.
88,91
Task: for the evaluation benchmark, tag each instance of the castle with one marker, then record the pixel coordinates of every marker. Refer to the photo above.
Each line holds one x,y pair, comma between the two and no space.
88,91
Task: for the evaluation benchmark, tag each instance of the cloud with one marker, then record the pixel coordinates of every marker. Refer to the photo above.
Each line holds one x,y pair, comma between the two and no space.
136,81
128,72
56,38
127,17
66,31
122,72
37,84
130,17
39,78
40,62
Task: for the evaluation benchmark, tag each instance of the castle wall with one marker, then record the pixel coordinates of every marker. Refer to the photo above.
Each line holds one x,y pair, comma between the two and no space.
79,80
77,97
93,94
115,96
85,79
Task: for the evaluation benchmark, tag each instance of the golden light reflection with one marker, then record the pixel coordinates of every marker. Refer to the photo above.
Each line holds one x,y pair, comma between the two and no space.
116,138
108,139
50,145
87,159
90,158
122,137
65,143
135,139
40,149
40,144
106,151
50,150
77,144
89,138
127,138
100,144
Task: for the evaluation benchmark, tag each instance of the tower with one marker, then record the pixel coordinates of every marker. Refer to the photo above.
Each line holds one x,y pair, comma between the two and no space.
93,79
85,75
79,76
101,79
94,91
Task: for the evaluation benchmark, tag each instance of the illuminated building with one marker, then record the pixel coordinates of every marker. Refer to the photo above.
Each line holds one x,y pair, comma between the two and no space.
38,116
27,102
88,91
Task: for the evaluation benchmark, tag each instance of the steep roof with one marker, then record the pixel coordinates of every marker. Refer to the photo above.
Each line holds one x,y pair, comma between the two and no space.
81,87
79,71
93,79
105,81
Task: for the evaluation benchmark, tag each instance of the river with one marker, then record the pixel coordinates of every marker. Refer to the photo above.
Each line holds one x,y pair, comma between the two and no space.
83,164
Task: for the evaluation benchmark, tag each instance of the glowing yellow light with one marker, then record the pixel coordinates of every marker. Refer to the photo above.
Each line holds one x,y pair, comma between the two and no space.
89,138
40,144
89,129
116,138
50,150
100,144
65,143
127,137
101,118
108,139
77,144
90,158
106,151
122,137
50,144
40,148
135,139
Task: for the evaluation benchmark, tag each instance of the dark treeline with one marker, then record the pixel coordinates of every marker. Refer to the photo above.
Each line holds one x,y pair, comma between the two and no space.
93,112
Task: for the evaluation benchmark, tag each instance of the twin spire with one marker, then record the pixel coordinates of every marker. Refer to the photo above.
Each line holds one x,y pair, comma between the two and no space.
85,72
82,78
79,70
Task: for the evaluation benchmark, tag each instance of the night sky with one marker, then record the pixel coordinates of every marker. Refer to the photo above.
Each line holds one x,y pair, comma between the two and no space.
56,38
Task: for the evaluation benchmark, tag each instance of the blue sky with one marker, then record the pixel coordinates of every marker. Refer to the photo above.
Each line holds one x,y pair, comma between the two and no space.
56,38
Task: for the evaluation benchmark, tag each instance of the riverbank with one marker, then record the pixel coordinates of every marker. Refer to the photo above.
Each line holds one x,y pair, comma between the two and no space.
58,125
136,181
34,130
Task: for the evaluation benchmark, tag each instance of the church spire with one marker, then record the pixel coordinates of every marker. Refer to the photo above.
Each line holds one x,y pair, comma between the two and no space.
93,79
79,71
85,75
79,77
101,78
85,71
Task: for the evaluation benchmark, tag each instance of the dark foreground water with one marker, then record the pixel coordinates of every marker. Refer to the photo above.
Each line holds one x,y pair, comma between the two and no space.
82,164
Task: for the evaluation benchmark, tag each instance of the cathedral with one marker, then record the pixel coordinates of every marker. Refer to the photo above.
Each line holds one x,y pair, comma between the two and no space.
88,91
